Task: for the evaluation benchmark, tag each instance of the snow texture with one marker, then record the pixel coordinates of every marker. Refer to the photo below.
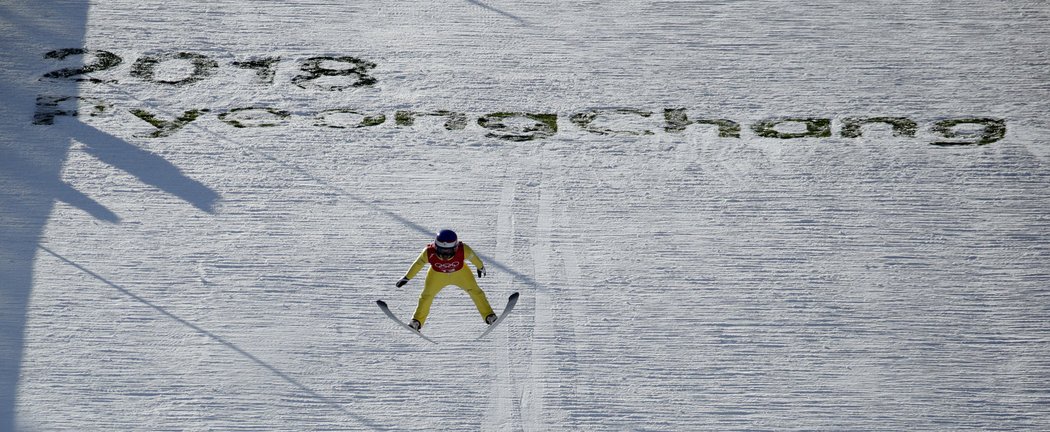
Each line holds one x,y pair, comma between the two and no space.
202,245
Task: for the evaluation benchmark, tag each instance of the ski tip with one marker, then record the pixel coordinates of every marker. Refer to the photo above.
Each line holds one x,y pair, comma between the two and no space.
514,296
381,303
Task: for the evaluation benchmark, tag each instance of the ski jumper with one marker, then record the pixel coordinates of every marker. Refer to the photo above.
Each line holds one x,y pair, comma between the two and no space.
445,272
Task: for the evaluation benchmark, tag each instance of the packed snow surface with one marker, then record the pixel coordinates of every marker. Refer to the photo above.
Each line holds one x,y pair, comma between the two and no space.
676,188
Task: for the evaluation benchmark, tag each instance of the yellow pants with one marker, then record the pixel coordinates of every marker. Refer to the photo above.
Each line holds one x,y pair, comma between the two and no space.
436,281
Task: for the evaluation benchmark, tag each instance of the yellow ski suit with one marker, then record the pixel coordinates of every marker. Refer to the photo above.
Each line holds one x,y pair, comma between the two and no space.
437,280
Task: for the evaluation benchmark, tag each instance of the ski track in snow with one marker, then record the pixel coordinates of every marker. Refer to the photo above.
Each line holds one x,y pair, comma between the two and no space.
501,415
534,405
224,278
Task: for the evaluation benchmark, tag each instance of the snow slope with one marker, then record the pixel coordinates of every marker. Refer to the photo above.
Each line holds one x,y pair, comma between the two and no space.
223,278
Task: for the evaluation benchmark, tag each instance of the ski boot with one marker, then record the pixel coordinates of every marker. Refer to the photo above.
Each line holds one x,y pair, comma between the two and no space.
415,325
491,319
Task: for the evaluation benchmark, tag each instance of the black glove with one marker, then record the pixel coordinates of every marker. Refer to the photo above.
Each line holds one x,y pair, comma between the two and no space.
482,272
401,282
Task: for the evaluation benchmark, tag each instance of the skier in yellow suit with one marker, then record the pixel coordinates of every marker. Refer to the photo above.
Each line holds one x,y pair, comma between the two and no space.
448,258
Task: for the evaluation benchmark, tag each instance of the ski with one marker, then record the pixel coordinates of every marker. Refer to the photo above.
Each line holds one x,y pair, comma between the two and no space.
510,306
386,310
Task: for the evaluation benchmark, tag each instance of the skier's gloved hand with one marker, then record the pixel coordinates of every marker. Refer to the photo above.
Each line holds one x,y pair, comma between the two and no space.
482,272
401,282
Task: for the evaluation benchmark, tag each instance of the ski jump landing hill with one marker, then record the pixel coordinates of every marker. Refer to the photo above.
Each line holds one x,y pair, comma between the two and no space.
732,215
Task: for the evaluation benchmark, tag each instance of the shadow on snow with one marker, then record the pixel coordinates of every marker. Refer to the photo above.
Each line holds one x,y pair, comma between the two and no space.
259,362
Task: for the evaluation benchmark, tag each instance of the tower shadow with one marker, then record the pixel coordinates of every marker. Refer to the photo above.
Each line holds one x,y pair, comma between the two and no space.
32,158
